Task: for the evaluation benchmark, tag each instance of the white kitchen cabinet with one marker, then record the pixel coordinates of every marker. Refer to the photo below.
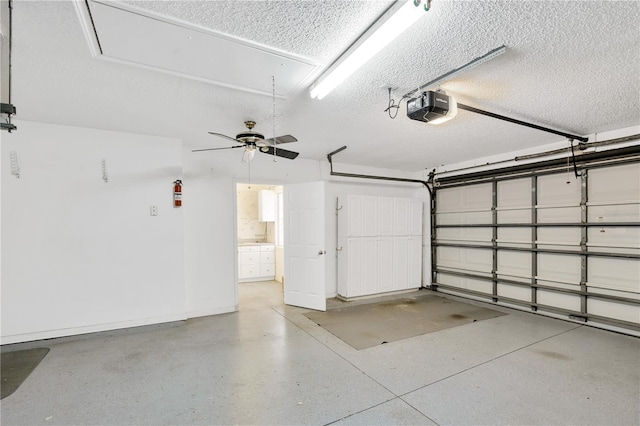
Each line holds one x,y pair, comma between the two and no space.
256,262
266,205
381,244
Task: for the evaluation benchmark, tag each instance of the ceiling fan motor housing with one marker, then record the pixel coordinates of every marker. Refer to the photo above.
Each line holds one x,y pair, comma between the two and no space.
250,137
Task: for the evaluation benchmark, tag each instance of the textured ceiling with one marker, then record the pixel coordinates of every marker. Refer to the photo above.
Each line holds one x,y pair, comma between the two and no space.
573,66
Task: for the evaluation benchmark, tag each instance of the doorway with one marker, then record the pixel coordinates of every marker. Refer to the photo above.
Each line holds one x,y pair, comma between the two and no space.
267,218
260,236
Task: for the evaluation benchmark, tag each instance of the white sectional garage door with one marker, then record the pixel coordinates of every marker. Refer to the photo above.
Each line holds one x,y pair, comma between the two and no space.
552,243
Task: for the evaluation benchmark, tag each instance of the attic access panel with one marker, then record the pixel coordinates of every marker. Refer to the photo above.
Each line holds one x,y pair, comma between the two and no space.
178,48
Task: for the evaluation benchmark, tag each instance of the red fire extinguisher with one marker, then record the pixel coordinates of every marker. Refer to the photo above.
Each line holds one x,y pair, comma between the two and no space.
177,193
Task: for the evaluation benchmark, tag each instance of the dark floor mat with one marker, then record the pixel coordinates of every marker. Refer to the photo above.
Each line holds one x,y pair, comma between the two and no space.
16,366
364,326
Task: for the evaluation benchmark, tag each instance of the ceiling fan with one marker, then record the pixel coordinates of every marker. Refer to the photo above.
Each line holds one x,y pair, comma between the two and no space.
253,141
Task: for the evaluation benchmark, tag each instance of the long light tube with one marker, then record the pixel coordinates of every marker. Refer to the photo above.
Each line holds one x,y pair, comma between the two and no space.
383,32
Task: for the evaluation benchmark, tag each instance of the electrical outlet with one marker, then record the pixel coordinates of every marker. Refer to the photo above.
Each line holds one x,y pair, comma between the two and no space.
153,210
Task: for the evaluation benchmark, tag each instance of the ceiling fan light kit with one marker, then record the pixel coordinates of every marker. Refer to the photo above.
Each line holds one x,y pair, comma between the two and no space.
390,25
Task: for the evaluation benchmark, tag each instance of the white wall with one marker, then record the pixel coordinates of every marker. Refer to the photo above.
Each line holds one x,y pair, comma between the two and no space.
210,209
81,255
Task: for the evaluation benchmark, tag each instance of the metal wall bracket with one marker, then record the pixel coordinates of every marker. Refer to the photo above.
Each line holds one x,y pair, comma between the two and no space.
105,175
7,110
578,318
15,169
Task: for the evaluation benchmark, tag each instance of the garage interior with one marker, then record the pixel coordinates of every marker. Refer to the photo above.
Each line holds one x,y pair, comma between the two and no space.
485,159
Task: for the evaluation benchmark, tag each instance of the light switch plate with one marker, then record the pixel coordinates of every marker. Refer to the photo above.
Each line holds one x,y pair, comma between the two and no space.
153,210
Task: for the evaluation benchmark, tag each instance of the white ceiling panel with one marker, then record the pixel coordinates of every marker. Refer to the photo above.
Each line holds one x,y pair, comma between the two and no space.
131,37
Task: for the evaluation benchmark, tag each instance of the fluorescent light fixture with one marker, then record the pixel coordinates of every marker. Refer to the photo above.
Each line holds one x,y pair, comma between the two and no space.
389,26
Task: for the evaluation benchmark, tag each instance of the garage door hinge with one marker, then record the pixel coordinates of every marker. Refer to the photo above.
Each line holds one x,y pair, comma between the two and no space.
578,318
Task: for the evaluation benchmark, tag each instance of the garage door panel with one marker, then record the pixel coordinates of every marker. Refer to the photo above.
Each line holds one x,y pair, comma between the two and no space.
514,193
617,274
464,218
561,268
514,216
559,236
472,197
615,184
616,293
559,300
465,259
553,190
615,310
614,237
559,215
514,264
514,292
481,286
476,235
558,202
514,237
627,212
558,247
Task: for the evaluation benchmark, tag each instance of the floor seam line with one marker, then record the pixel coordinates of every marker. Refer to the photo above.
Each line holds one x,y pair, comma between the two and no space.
488,361
361,411
411,405
339,355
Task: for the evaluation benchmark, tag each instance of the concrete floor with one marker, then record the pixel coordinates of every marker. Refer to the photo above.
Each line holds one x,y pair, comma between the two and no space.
268,364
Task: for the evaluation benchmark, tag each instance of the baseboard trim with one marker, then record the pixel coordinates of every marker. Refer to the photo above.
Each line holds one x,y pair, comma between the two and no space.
207,312
373,296
96,328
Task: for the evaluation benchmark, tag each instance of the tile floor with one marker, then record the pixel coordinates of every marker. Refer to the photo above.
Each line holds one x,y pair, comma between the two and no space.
268,364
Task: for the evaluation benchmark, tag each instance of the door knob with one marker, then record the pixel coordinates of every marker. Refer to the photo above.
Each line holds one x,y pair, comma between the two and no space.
321,252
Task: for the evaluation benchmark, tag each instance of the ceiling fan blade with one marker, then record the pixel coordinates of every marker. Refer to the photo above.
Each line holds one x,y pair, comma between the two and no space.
215,149
279,152
225,136
280,139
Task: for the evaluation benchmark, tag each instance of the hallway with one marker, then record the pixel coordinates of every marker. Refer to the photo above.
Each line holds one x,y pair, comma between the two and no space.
268,364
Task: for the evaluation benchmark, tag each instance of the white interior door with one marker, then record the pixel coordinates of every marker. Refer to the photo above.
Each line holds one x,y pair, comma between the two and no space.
304,245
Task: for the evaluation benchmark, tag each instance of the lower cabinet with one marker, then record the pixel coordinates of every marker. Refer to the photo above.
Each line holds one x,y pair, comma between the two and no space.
256,263
379,244
379,264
